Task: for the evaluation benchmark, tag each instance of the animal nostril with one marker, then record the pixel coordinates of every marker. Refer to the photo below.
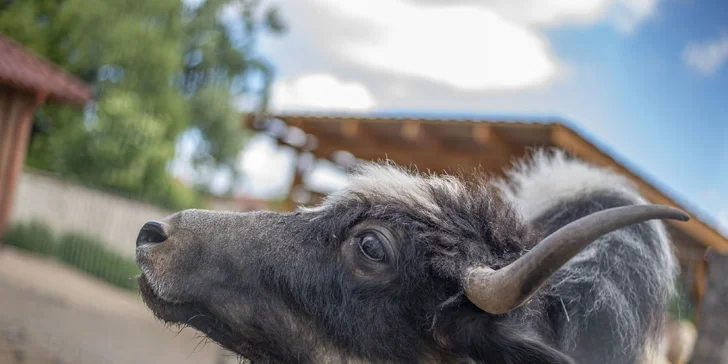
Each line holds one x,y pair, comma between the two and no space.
151,233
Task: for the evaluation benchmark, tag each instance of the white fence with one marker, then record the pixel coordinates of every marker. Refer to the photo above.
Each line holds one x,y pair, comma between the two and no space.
66,206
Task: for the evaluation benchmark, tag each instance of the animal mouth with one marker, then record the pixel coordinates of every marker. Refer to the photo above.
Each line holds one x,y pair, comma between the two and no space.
199,317
191,314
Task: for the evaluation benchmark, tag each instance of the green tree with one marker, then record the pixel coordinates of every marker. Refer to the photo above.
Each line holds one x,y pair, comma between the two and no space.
159,68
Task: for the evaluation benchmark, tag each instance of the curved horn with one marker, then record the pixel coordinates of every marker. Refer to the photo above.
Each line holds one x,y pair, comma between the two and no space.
499,291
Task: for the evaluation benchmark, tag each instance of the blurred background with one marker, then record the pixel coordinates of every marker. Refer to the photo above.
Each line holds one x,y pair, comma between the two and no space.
117,112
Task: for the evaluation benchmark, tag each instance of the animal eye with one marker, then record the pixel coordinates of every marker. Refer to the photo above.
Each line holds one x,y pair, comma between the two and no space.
371,247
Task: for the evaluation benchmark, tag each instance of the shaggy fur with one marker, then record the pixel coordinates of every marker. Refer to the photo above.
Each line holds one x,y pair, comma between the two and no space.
610,299
298,288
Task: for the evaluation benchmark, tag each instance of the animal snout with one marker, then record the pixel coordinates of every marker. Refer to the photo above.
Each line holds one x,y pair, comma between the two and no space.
153,232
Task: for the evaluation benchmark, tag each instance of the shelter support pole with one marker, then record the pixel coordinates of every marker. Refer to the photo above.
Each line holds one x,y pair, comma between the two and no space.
16,120
289,204
700,281
712,343
9,109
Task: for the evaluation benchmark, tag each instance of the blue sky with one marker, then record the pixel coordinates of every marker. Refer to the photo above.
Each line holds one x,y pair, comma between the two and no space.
646,79
667,118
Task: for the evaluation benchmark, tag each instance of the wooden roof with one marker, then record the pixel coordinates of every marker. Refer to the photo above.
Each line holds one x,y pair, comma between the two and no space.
455,144
22,69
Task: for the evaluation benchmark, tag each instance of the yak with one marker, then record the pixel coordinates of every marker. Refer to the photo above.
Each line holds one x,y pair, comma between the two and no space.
557,261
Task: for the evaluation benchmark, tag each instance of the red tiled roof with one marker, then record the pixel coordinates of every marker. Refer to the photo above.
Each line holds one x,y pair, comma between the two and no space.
23,69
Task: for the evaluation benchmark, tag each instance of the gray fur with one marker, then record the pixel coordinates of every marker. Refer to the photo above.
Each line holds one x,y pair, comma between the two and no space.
629,273
272,286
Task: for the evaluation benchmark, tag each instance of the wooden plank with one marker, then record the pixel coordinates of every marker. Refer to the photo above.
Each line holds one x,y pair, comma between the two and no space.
712,343
700,281
11,105
6,121
25,105
696,229
462,123
288,203
410,130
484,134
349,129
423,158
481,133
413,132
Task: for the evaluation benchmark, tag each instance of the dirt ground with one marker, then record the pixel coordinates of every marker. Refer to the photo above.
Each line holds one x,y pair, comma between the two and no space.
53,314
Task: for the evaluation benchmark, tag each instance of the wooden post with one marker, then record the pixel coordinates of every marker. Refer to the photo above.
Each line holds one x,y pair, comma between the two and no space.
18,121
289,204
700,280
9,110
712,344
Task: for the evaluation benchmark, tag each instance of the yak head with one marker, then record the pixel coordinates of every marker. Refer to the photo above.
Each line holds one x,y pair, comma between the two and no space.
395,268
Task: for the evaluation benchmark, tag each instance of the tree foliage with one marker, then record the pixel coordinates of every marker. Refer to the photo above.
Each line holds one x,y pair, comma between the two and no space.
159,68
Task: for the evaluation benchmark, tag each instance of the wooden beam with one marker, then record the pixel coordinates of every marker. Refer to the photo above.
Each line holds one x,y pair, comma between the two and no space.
410,130
324,119
424,154
349,129
484,135
696,229
382,149
369,146
481,133
423,159
420,134
297,122
288,203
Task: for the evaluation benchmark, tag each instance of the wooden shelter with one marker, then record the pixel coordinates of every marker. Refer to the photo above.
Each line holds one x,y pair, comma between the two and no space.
27,81
456,144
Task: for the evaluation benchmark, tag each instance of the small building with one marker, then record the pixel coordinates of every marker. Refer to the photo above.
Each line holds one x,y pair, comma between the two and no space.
27,81
451,145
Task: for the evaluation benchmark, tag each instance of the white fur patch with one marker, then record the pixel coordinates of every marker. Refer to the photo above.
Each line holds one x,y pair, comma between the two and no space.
550,176
387,183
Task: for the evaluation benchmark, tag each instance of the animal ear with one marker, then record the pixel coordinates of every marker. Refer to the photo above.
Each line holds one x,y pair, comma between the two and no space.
486,338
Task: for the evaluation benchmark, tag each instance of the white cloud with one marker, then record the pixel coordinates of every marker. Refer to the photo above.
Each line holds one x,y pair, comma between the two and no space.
707,57
627,14
623,14
550,12
471,45
466,47
320,91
